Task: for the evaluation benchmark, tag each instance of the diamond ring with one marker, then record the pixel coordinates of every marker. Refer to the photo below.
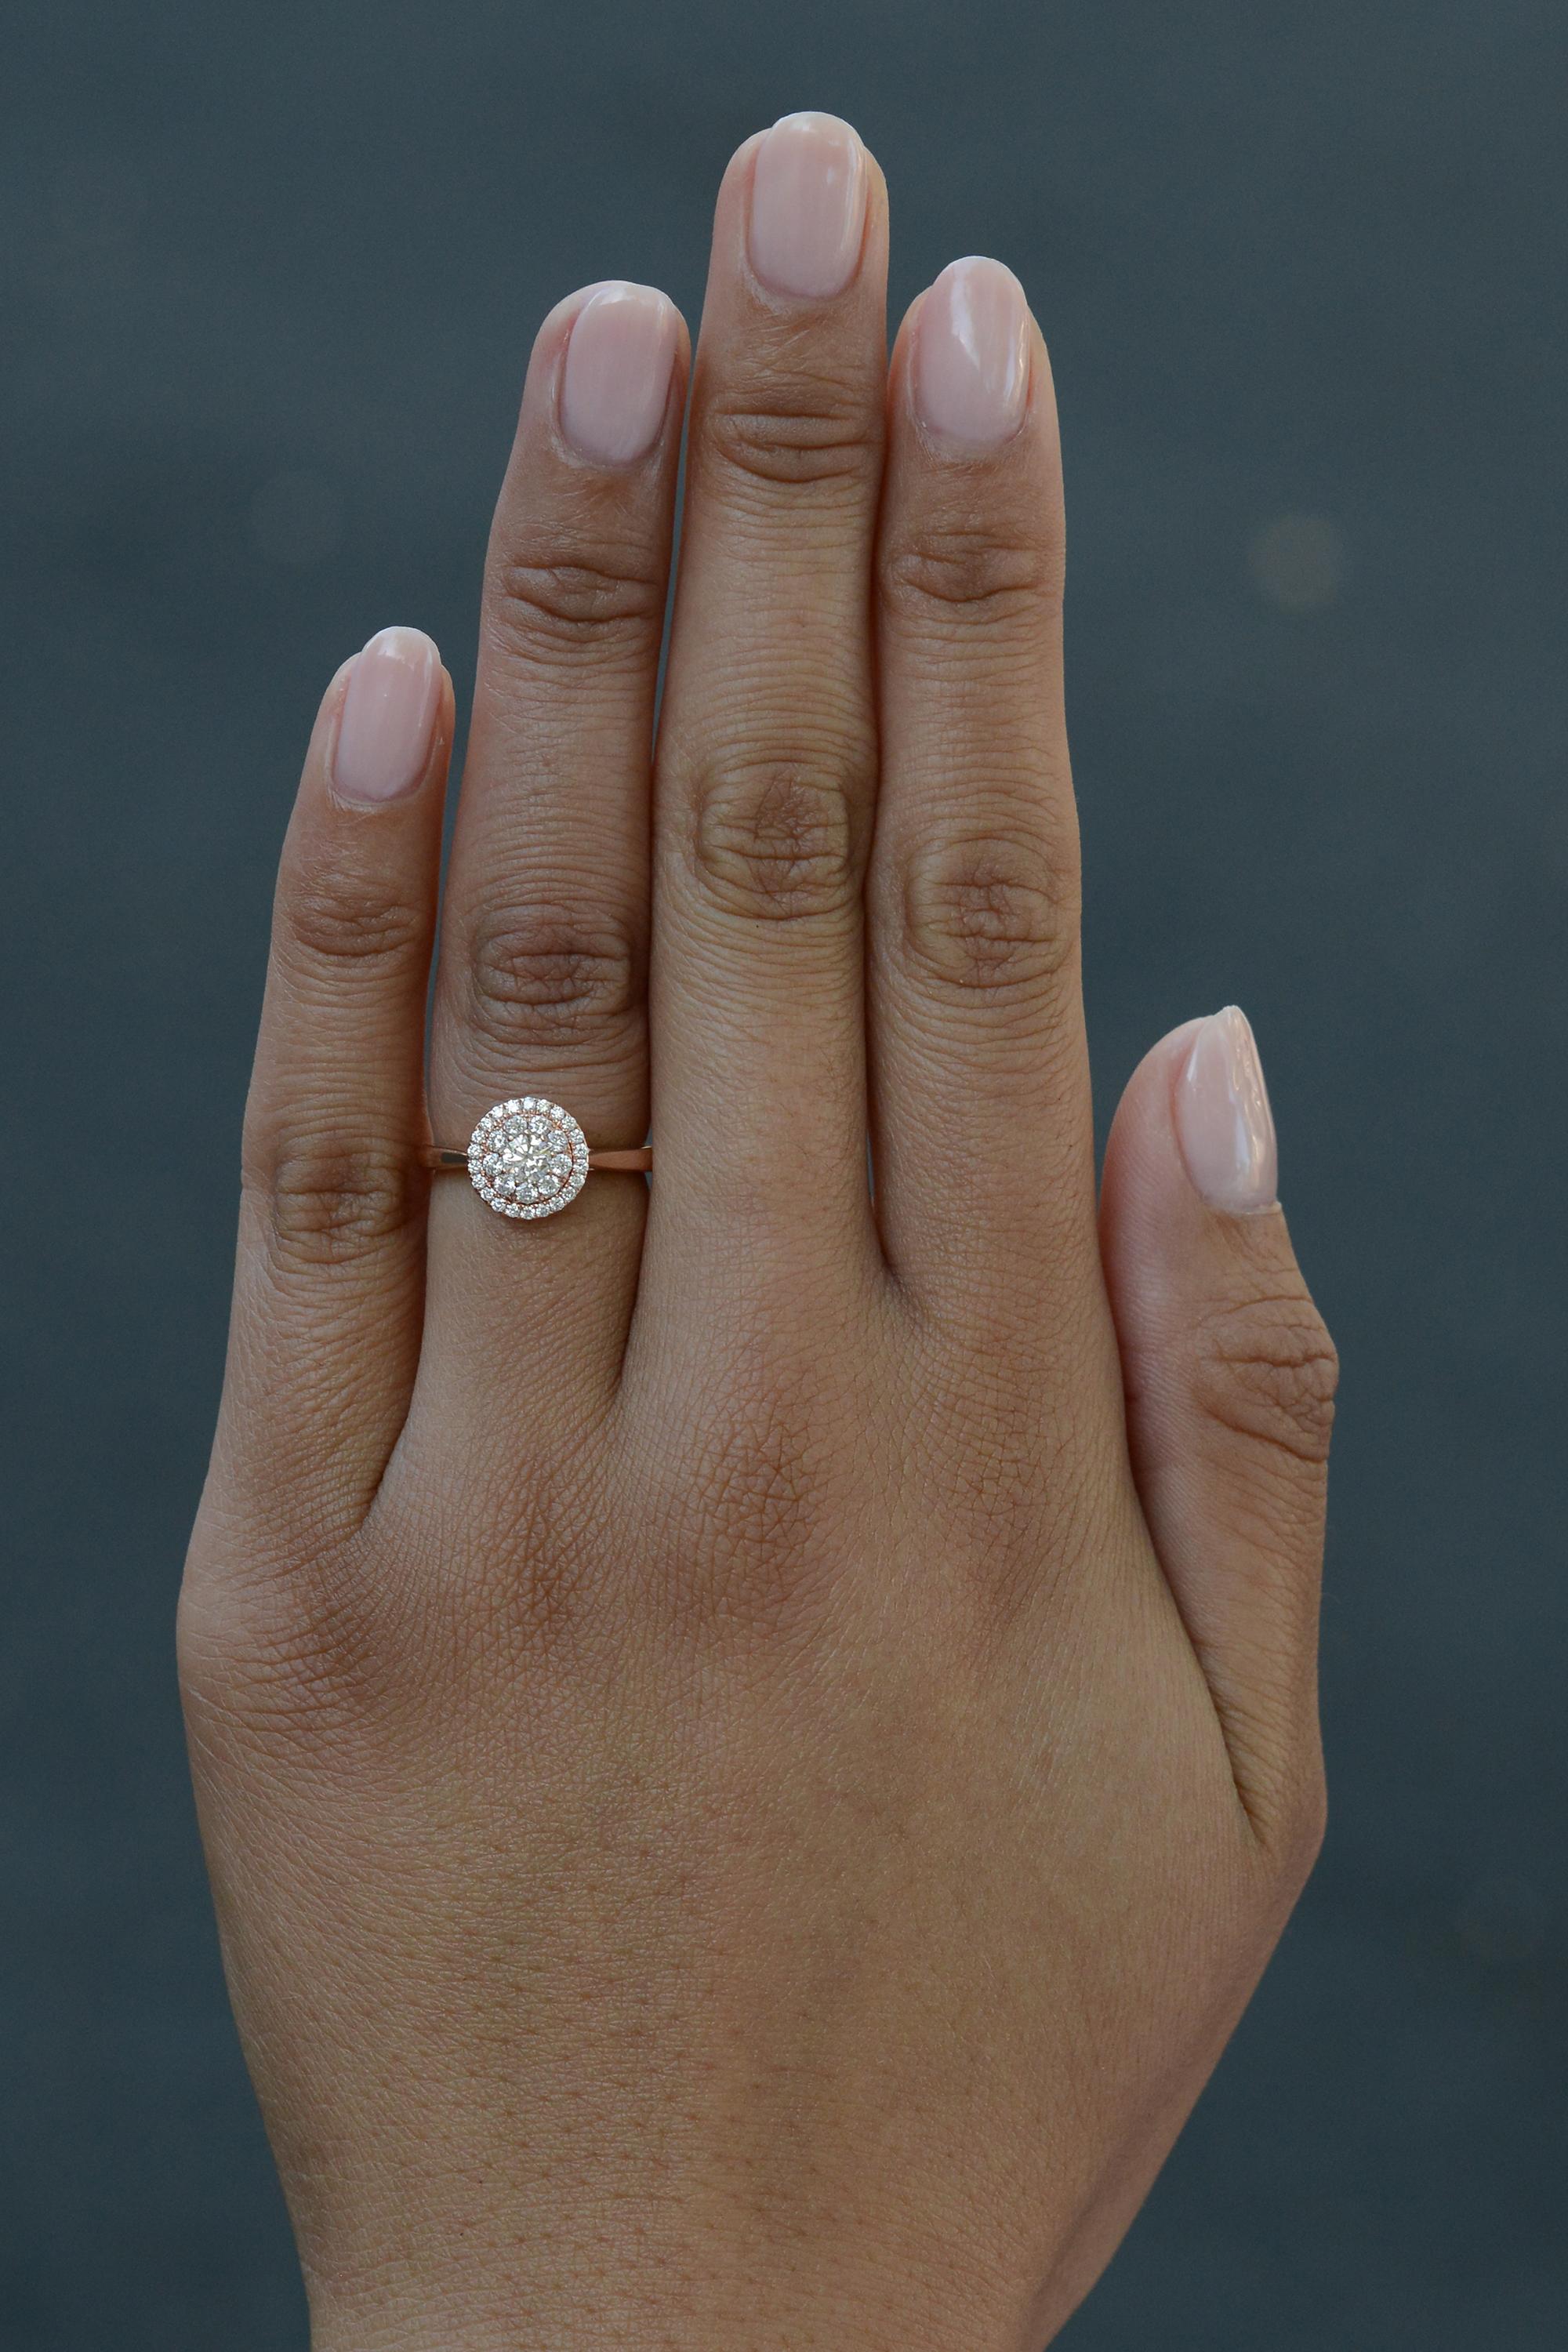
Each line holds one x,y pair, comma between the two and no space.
529,1158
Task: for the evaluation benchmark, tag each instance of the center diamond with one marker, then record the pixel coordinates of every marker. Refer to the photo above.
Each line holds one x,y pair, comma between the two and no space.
528,1158
534,1159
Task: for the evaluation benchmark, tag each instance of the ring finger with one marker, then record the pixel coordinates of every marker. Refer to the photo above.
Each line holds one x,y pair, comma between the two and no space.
540,985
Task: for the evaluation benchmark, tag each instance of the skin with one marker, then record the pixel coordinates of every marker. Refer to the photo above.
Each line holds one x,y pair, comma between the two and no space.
752,1744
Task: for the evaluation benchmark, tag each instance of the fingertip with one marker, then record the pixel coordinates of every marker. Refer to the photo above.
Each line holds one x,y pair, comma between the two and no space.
1224,1121
383,747
617,369
811,203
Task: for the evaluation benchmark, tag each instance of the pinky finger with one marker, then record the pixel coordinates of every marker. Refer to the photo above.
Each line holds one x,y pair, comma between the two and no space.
1229,1377
329,1285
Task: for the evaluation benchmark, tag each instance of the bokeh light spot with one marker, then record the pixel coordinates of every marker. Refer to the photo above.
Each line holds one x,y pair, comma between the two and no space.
1297,562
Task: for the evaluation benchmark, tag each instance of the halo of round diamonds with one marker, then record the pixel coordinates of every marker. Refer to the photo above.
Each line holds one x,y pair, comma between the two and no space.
527,1157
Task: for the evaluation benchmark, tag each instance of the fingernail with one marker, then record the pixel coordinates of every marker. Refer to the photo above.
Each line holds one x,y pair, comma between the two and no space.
808,206
388,717
615,384
1222,1120
970,380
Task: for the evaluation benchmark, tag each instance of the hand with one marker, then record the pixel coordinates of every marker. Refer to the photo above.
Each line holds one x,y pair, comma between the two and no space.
753,1740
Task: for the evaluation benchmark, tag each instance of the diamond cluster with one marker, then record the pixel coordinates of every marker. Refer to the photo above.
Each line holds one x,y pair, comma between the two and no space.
527,1157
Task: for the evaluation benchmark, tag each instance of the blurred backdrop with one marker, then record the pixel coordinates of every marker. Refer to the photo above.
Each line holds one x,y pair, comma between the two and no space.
270,277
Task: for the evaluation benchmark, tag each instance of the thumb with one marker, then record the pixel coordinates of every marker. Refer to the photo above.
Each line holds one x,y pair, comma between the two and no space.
1229,1376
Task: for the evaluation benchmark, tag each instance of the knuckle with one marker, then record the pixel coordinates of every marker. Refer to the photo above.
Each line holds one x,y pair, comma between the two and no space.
812,430
774,838
300,1658
574,608
326,1198
544,976
947,575
1266,1369
333,920
995,915
257,1668
758,1527
750,1485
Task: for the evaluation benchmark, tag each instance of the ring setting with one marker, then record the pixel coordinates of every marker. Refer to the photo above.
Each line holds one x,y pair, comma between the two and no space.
529,1158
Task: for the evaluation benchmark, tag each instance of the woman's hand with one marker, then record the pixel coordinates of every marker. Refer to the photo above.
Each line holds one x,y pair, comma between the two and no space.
753,1739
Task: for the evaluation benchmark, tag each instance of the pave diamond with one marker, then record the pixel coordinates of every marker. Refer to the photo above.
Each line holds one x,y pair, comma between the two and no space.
527,1157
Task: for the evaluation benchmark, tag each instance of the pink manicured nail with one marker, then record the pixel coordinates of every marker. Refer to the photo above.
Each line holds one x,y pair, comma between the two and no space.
808,206
1222,1120
970,378
614,385
388,717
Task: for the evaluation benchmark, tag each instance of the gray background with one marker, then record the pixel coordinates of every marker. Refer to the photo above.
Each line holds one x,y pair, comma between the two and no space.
270,277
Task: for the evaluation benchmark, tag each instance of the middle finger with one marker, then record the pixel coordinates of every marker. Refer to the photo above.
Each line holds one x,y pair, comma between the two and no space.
767,750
